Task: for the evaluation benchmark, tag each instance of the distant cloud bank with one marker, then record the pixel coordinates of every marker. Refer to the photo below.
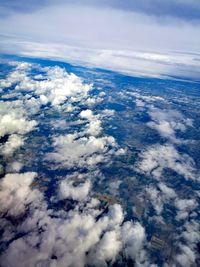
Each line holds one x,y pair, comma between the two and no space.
142,37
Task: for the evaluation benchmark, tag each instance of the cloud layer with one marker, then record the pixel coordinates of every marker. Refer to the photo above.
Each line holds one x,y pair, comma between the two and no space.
127,37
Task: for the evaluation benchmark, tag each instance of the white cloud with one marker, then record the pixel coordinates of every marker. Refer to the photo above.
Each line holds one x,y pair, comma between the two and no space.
114,187
168,192
133,236
186,204
73,150
66,236
108,112
191,233
146,99
168,122
55,88
156,199
94,127
13,120
14,167
68,190
184,207
15,192
14,142
106,250
159,157
59,86
86,114
186,257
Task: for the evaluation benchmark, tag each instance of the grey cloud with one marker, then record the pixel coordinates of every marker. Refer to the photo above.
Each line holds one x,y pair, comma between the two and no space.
184,9
111,38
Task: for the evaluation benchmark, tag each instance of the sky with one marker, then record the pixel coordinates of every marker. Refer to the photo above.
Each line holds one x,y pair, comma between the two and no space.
141,37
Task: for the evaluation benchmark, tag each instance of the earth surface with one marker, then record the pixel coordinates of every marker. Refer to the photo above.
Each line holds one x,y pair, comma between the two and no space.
97,168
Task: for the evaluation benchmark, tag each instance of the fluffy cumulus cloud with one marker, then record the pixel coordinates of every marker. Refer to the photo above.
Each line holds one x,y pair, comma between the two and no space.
73,150
14,126
13,120
13,143
94,127
59,86
160,157
186,257
168,122
185,207
16,191
80,192
56,86
190,237
84,148
72,239
156,199
133,238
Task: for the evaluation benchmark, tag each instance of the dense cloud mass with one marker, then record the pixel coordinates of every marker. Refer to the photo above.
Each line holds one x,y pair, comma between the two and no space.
71,191
174,8
127,36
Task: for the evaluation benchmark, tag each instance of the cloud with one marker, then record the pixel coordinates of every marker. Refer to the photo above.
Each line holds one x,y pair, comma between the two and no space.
14,142
80,192
13,120
15,190
53,239
74,150
159,196
156,199
186,257
78,34
114,187
167,191
94,127
168,122
159,157
191,233
173,8
185,207
55,87
189,238
107,249
133,236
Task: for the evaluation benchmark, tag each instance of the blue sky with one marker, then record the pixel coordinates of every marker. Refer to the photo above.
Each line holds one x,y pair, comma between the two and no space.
152,33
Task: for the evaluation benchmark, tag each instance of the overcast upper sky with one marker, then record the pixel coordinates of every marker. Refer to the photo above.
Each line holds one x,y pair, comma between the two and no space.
184,9
39,27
